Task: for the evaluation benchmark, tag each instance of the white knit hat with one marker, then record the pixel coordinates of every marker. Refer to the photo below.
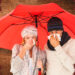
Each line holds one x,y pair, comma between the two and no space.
30,30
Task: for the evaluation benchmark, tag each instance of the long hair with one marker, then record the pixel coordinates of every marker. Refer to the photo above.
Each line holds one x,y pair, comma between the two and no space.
23,41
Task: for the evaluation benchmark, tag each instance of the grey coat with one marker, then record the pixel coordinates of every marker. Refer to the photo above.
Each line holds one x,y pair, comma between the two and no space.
22,67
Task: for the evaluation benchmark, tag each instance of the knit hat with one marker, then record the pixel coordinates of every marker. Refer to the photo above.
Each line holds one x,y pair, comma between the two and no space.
54,24
30,30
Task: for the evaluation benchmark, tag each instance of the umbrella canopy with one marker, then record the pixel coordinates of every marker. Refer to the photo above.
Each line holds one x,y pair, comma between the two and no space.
37,15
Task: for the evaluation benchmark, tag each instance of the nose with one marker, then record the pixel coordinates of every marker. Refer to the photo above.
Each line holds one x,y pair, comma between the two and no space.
54,32
31,39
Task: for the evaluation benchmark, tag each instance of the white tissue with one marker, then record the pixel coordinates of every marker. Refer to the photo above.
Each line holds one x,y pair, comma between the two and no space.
33,42
58,35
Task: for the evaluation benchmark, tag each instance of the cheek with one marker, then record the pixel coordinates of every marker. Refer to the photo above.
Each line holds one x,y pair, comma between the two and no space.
34,38
26,40
61,35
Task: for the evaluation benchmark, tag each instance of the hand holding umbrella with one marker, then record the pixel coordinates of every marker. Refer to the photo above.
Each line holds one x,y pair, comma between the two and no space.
40,66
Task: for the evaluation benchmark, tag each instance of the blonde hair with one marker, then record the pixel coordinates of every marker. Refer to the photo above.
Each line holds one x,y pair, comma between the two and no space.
23,41
29,30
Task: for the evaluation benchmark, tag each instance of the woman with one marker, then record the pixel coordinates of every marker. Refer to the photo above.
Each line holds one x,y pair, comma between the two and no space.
27,58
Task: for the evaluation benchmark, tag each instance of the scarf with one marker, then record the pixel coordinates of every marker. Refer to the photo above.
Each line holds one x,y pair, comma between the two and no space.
64,39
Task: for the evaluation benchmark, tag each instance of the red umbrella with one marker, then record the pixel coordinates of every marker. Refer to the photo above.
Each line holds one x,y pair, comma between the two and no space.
37,15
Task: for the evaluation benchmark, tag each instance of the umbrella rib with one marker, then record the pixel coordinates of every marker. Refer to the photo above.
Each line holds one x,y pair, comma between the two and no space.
34,15
58,13
21,23
18,17
21,18
31,15
12,25
44,20
51,16
4,30
69,29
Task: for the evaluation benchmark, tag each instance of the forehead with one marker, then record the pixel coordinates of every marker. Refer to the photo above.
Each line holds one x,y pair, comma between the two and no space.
56,31
29,36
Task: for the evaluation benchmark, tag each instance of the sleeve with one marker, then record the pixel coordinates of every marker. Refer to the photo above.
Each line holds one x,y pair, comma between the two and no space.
44,60
65,59
16,61
72,50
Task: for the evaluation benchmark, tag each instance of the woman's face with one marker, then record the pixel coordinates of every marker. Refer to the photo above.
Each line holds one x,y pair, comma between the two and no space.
29,39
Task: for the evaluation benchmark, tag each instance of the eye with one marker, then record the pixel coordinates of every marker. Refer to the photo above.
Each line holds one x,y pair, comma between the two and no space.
51,32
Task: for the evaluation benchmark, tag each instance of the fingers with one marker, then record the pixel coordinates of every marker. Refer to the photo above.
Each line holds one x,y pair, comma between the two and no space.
39,64
52,37
56,38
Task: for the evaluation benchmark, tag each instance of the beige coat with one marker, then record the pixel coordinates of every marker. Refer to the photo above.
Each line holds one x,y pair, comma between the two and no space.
60,62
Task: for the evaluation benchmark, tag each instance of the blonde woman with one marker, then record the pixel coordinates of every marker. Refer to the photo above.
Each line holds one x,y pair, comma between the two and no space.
27,58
